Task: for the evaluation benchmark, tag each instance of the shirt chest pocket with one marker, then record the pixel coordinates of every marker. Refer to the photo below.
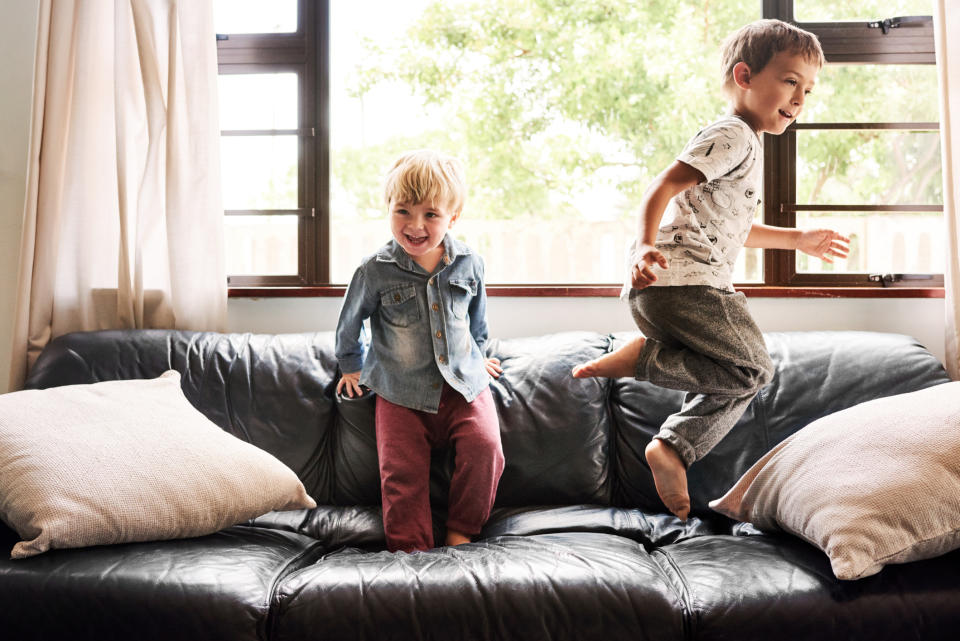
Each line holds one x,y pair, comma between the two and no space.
398,306
462,292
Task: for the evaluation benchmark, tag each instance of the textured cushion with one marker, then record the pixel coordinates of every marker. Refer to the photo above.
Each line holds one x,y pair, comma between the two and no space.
123,461
871,485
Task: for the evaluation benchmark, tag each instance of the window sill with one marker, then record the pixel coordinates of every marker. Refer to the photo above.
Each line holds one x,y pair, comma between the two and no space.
610,291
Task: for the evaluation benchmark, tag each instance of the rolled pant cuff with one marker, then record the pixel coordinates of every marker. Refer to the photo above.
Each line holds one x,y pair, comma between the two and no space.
680,445
640,370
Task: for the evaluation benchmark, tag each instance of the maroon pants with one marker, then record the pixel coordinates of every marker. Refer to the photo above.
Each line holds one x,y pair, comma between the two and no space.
404,440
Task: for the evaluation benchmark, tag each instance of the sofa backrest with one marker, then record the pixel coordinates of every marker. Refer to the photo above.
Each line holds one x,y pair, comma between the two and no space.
275,391
566,441
816,373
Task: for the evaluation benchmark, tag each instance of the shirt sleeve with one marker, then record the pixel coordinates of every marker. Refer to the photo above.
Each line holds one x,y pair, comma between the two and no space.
358,304
478,310
718,149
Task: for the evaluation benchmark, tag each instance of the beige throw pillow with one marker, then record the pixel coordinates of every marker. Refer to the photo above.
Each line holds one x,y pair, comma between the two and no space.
875,484
123,461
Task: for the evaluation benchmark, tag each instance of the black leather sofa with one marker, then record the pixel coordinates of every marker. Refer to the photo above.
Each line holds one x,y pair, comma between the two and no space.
578,547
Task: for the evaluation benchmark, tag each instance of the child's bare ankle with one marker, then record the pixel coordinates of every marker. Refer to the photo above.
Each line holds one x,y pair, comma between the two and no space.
619,363
669,477
456,538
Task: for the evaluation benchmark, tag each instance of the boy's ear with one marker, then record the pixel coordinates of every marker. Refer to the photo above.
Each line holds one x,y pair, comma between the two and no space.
453,218
741,75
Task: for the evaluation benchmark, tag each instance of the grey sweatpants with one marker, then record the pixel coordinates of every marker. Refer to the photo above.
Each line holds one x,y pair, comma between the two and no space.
703,341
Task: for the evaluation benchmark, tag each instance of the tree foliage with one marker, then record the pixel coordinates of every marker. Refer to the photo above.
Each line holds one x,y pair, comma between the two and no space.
546,101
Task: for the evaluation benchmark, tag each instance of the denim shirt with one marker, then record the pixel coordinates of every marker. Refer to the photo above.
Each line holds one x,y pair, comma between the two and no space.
426,328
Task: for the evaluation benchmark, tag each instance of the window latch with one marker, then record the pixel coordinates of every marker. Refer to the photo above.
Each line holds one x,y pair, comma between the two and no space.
900,21
883,279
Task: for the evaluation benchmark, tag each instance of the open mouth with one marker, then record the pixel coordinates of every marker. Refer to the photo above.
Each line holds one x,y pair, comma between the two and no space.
416,241
786,114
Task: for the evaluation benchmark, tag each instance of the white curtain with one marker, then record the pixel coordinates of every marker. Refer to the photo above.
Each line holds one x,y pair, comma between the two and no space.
123,222
946,23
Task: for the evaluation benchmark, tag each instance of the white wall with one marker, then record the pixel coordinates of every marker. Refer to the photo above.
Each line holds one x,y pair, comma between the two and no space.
508,317
18,32
922,318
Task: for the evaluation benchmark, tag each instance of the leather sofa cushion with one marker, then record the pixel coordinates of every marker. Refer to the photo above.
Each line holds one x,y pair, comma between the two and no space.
550,586
816,373
566,440
216,588
555,429
757,588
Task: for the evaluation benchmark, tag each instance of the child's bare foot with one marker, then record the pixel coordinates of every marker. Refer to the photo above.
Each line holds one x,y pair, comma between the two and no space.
618,363
670,477
456,538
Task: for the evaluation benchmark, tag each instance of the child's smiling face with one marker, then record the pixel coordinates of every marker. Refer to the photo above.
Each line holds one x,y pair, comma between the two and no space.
419,229
773,98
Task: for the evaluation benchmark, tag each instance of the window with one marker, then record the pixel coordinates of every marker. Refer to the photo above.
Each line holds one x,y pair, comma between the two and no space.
271,141
562,113
865,159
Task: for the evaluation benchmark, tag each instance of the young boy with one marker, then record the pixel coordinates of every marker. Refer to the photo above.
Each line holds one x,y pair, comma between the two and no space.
424,295
698,335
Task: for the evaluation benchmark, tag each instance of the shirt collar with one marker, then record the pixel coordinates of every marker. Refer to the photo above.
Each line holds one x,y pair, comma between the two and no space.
392,252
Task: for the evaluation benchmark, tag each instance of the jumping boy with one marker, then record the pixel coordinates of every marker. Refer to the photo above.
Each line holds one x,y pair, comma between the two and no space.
424,295
697,333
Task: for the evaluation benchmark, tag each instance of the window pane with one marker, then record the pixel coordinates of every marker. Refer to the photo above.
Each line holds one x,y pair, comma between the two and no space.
258,101
881,242
261,245
259,172
874,93
827,10
749,266
255,16
888,167
562,114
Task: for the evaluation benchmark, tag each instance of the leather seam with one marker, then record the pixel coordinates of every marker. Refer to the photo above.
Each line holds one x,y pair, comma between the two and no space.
274,603
671,569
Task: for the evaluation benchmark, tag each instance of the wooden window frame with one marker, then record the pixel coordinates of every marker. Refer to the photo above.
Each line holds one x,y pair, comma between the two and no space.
304,53
852,43
307,52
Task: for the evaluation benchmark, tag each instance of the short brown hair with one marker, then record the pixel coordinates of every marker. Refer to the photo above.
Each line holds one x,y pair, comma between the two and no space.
426,176
756,43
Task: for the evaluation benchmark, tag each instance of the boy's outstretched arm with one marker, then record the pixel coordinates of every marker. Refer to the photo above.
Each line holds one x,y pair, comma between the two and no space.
671,181
819,243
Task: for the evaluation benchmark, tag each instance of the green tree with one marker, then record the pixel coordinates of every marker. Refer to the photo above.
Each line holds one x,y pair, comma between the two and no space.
545,99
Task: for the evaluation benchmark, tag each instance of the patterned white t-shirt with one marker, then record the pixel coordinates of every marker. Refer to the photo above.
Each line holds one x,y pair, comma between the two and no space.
704,227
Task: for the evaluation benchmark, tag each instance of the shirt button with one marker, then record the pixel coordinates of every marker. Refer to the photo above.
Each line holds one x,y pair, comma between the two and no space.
396,298
439,334
436,386
435,307
442,358
431,280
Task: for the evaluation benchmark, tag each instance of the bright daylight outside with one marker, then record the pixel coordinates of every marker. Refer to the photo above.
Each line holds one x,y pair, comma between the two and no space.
562,112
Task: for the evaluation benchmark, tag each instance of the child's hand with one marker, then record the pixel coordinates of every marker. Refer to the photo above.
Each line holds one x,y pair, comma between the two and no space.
493,367
352,384
823,243
644,256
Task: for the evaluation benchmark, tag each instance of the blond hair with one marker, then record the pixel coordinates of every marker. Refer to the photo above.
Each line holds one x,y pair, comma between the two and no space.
426,176
756,43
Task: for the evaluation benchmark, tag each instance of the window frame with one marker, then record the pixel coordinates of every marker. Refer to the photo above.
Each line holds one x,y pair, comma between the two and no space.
303,53
850,42
306,52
